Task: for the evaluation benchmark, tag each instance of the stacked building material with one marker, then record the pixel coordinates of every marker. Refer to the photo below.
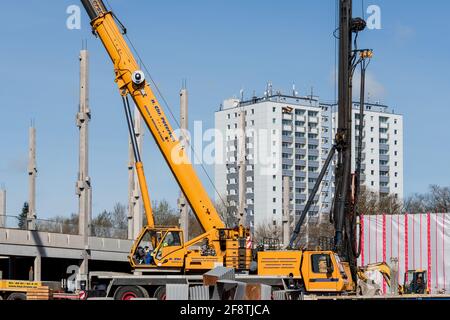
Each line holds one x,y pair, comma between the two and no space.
40,293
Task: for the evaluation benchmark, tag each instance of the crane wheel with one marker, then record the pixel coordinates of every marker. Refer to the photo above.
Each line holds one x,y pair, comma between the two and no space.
160,293
130,292
17,296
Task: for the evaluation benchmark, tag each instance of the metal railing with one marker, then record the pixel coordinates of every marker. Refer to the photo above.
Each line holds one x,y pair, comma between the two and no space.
61,227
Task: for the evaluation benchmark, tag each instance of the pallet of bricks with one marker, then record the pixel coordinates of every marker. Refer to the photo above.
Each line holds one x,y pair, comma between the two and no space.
40,293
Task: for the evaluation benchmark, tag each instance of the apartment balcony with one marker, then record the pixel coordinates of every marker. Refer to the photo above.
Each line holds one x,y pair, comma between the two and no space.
313,119
314,142
300,174
313,130
384,168
384,179
384,125
300,118
384,190
287,150
314,164
301,140
384,136
301,185
384,146
287,127
287,139
287,116
313,152
300,196
300,162
384,157
288,162
313,175
301,152
300,129
232,143
288,173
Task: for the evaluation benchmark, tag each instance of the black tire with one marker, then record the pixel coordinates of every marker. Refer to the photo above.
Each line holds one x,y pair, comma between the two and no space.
17,296
160,293
130,292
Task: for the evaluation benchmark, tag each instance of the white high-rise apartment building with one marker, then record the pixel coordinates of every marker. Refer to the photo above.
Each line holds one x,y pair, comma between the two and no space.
291,136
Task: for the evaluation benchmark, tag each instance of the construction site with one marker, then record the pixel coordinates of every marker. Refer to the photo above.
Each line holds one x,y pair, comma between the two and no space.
302,224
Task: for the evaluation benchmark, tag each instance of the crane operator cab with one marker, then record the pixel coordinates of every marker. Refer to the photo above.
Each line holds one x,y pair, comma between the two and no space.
154,246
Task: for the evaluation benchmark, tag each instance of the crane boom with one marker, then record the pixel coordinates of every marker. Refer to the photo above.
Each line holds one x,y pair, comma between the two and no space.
130,81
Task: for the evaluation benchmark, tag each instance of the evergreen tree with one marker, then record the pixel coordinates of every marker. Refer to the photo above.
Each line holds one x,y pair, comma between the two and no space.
23,216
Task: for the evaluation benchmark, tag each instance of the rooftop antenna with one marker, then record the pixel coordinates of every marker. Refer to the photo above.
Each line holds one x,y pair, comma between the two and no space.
294,93
242,94
270,89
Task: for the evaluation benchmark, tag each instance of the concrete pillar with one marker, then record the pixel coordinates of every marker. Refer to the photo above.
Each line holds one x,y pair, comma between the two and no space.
32,172
182,202
37,269
286,211
241,153
83,186
135,204
2,208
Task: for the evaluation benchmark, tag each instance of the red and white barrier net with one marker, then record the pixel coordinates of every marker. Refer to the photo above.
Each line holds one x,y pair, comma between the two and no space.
419,241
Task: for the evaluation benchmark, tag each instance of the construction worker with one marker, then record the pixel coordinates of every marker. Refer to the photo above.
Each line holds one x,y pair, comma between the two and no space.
148,255
323,265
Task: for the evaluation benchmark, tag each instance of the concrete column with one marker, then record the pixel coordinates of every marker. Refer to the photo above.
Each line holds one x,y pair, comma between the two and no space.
37,269
182,202
135,204
241,153
286,211
83,186
2,208
32,172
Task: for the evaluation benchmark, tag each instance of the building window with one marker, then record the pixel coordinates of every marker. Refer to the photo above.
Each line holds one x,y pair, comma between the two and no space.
319,263
395,131
253,111
372,161
395,142
372,183
372,172
253,122
274,200
396,163
274,109
228,116
274,188
371,129
274,120
396,174
395,153
274,211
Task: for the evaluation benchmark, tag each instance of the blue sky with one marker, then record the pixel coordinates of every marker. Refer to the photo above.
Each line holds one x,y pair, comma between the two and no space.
219,47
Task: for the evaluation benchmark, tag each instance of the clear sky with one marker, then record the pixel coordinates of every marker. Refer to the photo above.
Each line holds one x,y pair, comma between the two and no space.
219,47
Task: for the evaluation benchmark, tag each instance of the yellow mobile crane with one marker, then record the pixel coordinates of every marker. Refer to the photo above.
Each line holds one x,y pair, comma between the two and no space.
312,271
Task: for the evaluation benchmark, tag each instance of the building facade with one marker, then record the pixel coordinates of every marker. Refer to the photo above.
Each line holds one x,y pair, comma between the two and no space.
291,136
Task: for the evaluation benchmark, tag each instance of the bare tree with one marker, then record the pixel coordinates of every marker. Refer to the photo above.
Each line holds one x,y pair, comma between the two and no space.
437,199
267,231
225,213
101,226
370,203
